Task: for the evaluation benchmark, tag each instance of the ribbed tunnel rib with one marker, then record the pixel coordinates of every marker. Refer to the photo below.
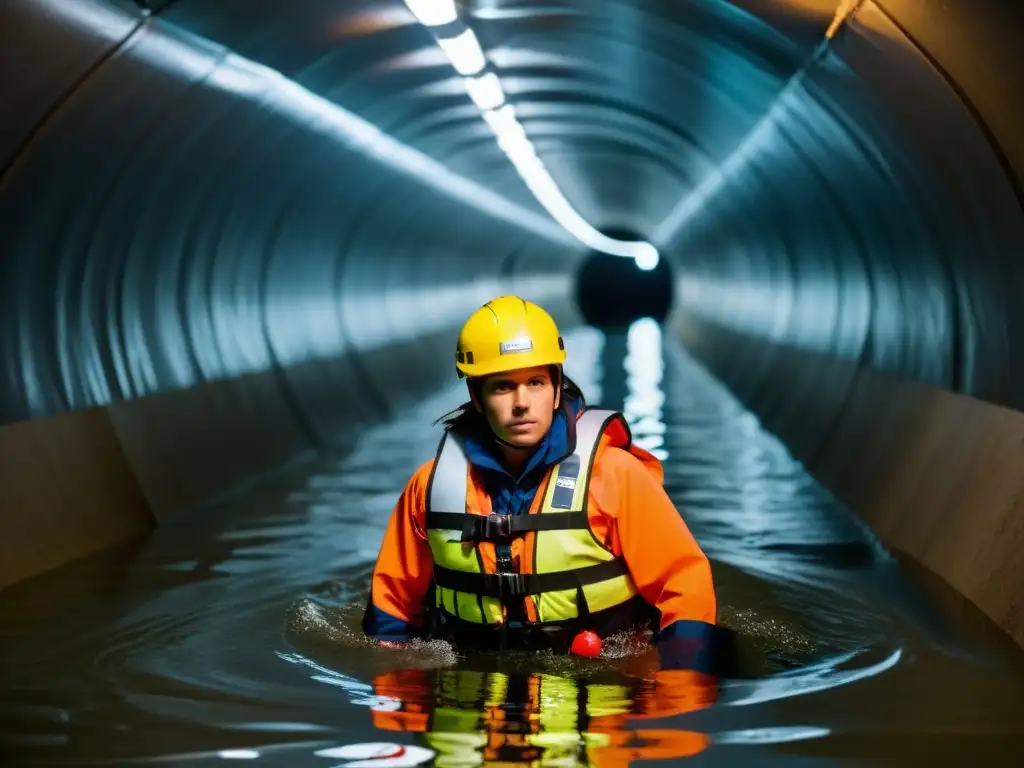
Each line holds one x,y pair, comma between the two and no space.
854,263
237,270
924,291
235,235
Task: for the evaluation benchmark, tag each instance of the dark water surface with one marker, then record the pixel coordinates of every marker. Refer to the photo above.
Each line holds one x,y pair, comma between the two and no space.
233,636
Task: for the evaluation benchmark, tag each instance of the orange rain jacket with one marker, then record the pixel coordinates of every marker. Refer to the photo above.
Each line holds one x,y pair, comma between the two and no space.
628,509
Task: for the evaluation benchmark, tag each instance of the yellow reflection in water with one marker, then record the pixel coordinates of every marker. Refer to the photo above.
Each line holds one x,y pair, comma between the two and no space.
474,717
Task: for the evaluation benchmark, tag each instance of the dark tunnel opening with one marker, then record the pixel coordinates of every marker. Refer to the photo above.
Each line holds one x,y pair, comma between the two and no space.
612,292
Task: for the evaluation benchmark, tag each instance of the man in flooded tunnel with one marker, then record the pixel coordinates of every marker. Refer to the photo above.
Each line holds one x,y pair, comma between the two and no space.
539,524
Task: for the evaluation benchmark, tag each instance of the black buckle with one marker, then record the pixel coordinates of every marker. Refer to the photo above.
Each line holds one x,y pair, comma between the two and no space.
497,527
487,528
510,585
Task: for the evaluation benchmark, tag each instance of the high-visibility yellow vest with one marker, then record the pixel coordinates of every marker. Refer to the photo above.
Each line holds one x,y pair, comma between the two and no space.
569,562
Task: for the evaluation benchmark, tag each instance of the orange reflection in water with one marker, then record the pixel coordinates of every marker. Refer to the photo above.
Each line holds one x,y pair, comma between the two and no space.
472,717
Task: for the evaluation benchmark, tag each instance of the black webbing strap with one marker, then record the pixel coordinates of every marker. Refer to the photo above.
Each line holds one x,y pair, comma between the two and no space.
511,585
497,527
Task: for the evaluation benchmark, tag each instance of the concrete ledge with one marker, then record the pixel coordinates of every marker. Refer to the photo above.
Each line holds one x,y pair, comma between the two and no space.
67,492
76,483
189,446
936,474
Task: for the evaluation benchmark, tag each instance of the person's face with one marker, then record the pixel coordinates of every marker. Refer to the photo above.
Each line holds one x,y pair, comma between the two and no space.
519,405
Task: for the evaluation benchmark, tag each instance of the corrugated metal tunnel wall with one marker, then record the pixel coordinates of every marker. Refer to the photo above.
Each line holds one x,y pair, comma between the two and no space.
205,277
232,238
854,275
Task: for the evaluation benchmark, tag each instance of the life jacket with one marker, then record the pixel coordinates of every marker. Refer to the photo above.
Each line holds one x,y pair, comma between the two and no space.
575,583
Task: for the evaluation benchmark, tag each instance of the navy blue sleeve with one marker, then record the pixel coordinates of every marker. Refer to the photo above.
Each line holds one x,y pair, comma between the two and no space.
689,644
384,626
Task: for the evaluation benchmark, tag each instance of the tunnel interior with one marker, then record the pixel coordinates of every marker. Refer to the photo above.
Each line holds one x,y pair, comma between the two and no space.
240,240
613,292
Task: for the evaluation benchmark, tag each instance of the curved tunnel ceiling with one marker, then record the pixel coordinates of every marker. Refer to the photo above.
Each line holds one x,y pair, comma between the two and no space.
298,203
227,172
588,82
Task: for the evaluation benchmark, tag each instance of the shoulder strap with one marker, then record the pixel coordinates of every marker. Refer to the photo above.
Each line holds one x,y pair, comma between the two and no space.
569,486
447,491
446,504
589,427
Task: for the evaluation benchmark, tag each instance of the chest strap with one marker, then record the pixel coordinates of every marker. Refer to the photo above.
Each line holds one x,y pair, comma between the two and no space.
504,527
517,585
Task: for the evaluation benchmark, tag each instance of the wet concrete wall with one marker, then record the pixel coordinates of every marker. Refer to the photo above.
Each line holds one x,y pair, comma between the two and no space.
855,277
207,278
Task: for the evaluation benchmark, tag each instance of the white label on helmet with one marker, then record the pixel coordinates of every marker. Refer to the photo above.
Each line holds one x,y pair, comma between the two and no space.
524,344
566,482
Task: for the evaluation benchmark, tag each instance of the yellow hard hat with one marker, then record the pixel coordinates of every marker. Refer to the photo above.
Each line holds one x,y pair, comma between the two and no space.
506,334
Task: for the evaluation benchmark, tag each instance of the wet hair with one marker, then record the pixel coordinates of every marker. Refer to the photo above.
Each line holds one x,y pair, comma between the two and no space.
466,418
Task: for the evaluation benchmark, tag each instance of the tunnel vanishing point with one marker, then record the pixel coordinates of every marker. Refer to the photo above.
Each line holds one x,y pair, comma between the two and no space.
231,229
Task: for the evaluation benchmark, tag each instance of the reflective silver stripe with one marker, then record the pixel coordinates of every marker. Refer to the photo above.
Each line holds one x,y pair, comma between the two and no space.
448,487
589,427
568,493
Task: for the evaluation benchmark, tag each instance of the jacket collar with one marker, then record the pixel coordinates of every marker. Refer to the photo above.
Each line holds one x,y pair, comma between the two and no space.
482,450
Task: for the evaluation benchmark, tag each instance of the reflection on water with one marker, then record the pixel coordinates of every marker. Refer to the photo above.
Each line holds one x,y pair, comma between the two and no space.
642,406
236,636
469,717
